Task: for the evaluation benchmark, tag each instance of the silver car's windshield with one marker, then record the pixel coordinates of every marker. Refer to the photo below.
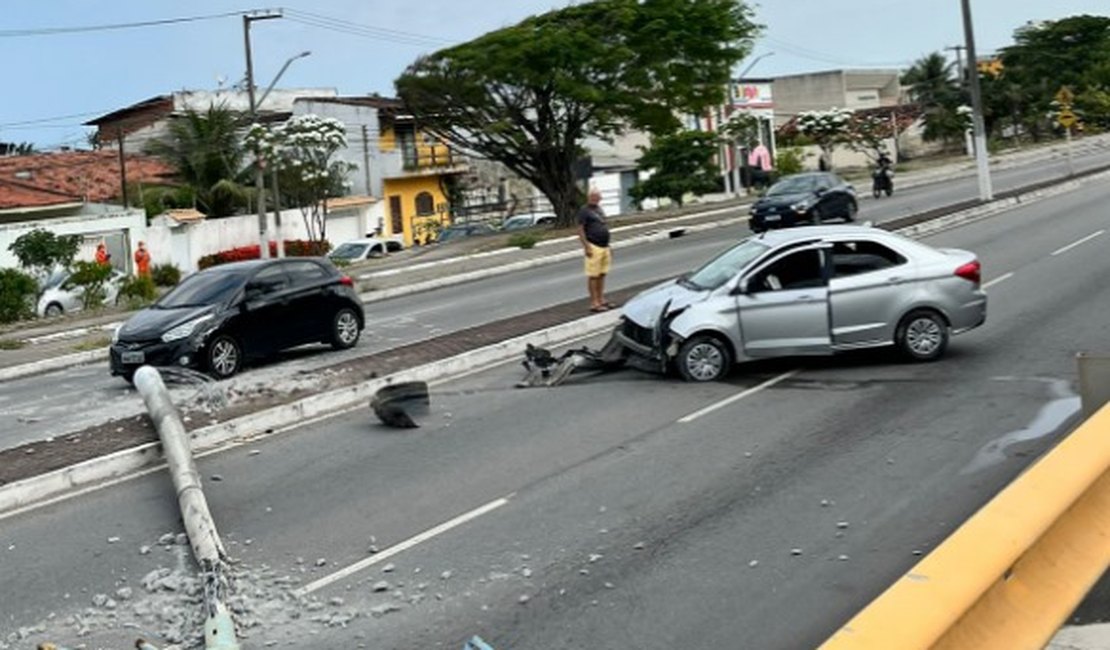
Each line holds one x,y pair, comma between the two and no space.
726,266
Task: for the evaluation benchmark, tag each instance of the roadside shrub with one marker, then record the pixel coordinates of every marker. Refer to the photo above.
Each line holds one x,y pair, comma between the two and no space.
789,161
91,278
17,295
293,248
165,275
137,291
523,240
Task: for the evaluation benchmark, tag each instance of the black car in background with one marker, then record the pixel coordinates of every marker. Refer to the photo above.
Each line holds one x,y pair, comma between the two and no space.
216,319
807,198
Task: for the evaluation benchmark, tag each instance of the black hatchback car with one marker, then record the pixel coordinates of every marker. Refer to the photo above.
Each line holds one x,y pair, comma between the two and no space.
807,198
217,318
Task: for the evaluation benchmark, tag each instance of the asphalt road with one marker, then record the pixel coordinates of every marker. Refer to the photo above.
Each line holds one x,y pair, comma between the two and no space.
600,516
57,403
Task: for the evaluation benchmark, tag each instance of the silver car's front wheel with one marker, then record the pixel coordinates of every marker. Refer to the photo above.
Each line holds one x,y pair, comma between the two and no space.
922,336
703,358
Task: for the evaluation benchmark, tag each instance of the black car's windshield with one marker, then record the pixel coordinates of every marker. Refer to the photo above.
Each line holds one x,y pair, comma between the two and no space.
793,185
206,288
725,266
349,251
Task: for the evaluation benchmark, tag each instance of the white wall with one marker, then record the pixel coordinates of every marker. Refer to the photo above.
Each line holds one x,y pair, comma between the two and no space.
183,245
93,222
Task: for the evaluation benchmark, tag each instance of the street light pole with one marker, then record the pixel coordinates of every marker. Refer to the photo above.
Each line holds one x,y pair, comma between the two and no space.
259,182
986,193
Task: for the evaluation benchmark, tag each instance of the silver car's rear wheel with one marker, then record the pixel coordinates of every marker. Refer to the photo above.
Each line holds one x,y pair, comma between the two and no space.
922,336
703,358
53,310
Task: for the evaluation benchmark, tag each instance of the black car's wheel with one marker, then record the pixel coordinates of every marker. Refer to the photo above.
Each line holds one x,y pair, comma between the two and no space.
224,356
345,329
922,335
703,358
815,217
850,213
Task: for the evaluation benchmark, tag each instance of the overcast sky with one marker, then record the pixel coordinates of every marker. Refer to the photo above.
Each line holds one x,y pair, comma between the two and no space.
52,83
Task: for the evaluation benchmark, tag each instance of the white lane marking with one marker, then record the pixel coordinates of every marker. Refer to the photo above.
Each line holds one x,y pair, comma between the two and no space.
400,548
1001,278
737,397
1076,243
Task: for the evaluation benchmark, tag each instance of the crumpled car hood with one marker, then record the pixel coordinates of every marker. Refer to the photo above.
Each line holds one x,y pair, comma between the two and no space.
645,308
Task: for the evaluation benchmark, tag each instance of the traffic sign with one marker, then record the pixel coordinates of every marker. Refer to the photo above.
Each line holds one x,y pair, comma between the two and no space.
1066,118
1064,96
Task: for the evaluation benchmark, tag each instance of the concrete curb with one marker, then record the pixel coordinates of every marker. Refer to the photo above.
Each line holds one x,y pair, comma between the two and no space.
55,363
32,490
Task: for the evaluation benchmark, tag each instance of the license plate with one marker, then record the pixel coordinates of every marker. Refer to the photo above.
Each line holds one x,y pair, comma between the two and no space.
132,357
772,217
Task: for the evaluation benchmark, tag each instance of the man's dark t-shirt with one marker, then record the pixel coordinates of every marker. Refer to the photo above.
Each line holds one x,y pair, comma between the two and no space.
593,222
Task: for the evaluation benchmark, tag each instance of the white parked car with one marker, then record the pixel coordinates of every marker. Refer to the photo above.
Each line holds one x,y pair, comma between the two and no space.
357,250
60,296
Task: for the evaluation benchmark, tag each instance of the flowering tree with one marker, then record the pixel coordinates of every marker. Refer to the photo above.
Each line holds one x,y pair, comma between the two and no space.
826,128
303,149
868,134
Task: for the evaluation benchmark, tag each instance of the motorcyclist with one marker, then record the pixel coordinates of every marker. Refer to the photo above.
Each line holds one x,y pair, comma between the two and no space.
883,180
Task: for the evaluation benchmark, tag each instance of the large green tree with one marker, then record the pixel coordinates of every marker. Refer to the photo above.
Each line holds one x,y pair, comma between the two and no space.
934,87
207,151
1046,55
527,95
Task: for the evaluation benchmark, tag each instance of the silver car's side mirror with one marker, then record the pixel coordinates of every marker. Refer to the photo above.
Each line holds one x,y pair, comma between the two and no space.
741,288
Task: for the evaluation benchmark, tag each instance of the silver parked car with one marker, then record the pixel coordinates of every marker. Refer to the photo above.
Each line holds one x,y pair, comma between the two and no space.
807,291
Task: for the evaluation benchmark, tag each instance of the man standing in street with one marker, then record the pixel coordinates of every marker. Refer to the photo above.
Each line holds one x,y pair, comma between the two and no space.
594,235
142,261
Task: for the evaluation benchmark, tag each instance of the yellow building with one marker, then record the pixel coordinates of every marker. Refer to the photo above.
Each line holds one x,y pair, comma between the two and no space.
415,171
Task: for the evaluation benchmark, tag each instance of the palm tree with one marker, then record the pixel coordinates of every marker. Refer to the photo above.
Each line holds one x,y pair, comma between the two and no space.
207,151
933,87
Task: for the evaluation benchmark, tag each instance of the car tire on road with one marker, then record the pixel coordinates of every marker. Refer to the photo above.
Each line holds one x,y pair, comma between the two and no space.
703,358
815,217
922,335
850,214
53,310
345,329
223,357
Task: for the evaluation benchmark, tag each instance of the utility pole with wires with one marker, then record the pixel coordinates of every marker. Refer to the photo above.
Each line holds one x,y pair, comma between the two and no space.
259,181
986,192
122,168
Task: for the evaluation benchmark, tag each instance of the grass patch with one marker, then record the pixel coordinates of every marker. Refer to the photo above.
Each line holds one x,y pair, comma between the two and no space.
98,343
12,344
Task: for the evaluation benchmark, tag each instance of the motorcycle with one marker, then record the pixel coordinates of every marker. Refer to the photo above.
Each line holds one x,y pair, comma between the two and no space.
882,180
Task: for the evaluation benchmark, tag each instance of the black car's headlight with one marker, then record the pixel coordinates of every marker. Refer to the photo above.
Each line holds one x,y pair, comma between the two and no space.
184,330
800,206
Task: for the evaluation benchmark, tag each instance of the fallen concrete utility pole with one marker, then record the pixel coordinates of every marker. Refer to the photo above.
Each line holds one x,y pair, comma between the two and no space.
219,629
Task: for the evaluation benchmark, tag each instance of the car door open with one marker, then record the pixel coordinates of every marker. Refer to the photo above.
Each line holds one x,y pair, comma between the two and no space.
784,306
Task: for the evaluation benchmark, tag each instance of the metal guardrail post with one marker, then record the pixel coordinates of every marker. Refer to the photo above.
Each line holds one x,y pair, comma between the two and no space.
219,629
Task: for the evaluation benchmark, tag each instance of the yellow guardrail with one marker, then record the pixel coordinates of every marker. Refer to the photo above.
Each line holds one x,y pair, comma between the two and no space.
1009,577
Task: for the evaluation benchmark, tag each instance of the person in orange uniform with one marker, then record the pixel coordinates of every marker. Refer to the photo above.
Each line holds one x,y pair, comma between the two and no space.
142,261
102,254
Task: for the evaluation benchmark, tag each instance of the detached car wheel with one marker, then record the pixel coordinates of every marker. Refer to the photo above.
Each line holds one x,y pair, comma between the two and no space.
703,358
345,329
224,356
922,336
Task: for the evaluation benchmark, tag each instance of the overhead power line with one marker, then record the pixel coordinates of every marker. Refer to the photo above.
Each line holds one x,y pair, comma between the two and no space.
367,31
53,31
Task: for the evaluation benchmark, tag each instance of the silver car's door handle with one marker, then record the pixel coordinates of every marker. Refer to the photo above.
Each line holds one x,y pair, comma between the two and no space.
893,279
805,298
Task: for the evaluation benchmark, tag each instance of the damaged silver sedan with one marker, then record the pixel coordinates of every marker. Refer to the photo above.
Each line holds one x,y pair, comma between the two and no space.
806,291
